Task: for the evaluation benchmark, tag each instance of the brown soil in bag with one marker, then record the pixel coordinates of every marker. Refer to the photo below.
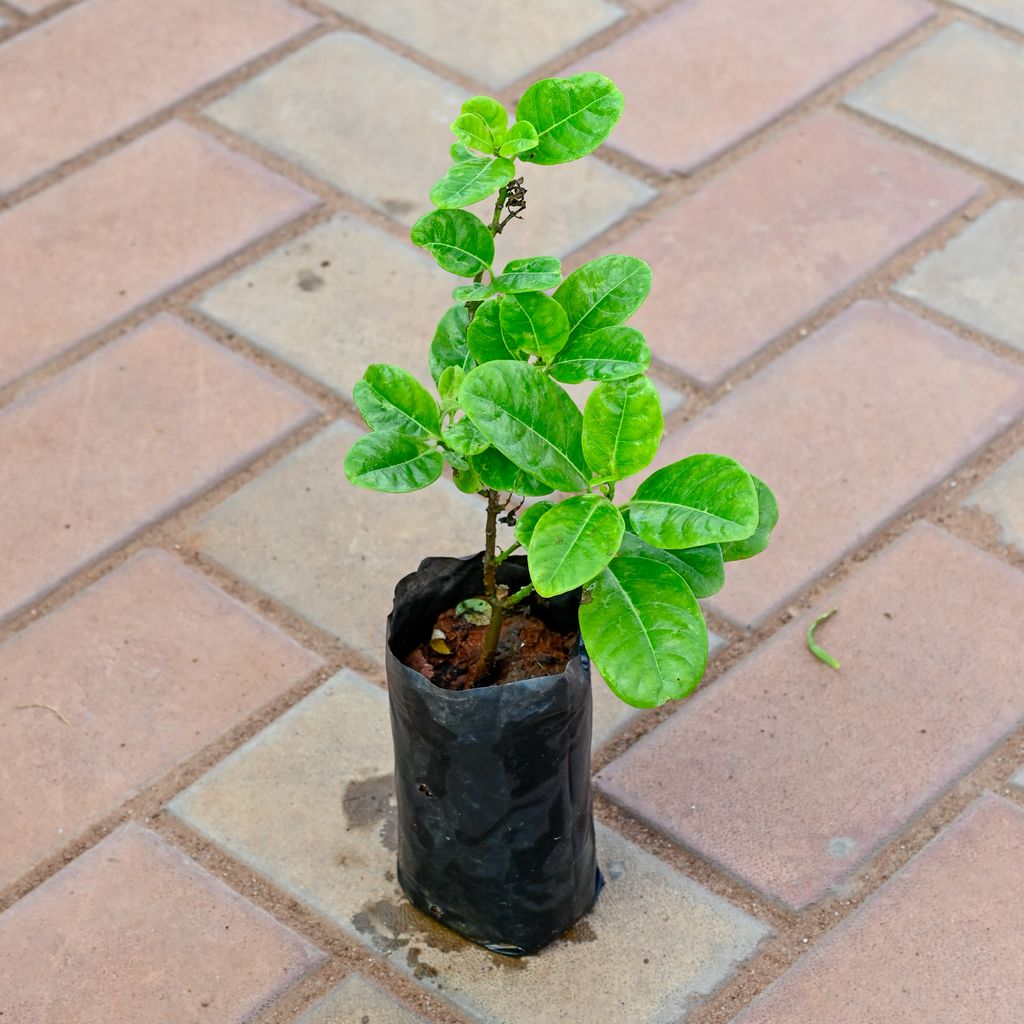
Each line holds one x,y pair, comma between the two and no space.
527,648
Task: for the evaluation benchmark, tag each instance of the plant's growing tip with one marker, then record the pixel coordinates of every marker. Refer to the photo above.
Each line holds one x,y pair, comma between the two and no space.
502,357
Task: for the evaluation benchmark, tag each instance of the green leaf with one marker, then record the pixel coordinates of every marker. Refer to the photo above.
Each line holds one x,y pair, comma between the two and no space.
486,339
572,116
521,138
604,292
454,459
473,292
644,631
467,481
536,274
528,519
474,610
389,461
573,542
702,568
533,322
464,438
814,647
703,499
459,153
622,427
767,517
449,382
391,398
470,181
472,131
450,347
528,418
500,473
611,353
493,114
457,239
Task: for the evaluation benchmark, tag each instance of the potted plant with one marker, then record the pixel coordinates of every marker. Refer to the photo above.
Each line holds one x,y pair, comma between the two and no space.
488,656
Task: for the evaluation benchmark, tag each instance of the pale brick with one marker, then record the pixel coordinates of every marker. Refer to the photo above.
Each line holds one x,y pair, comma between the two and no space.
358,1001
94,247
818,425
976,279
1006,12
940,942
494,43
766,244
1002,497
135,931
101,67
122,438
145,667
795,774
294,110
727,67
654,941
960,90
333,551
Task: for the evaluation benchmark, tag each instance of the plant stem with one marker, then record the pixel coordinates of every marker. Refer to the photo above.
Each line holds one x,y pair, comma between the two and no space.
494,228
514,599
508,551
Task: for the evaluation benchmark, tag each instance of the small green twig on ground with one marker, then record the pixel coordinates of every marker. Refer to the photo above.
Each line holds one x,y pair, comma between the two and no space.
818,651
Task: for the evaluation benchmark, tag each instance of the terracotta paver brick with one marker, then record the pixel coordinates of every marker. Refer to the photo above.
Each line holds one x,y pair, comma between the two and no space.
332,551
728,67
1006,12
358,1001
31,6
137,223
314,109
959,90
1002,497
655,941
819,426
789,774
492,43
146,667
123,437
976,278
100,67
135,931
938,944
764,245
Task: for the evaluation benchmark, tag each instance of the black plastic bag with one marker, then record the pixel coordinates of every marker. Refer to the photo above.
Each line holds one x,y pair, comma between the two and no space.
495,813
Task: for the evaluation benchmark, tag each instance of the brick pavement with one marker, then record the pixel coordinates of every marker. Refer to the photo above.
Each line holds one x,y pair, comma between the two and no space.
203,217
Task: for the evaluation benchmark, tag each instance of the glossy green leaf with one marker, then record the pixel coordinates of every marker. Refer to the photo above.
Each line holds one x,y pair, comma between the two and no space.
459,153
622,427
528,519
530,419
391,398
573,542
536,274
767,517
464,438
644,631
703,499
389,461
702,568
533,322
450,347
486,339
520,138
467,481
572,116
472,131
493,114
473,292
610,353
604,292
470,181
450,381
454,459
457,239
500,473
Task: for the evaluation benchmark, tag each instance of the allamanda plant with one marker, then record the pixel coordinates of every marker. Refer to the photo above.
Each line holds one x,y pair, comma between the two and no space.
507,426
